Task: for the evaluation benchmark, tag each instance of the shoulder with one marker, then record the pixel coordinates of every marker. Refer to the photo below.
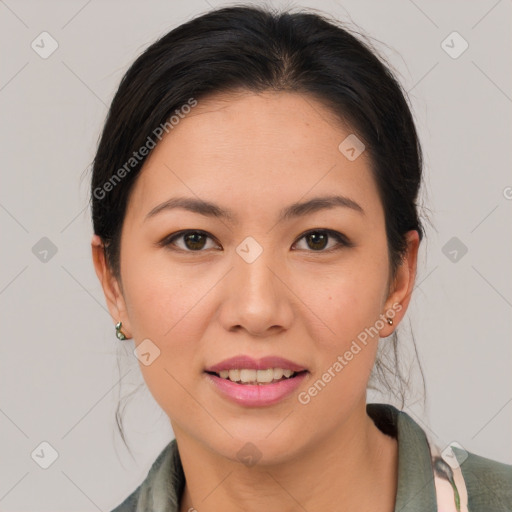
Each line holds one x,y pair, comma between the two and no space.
130,503
430,479
161,488
488,482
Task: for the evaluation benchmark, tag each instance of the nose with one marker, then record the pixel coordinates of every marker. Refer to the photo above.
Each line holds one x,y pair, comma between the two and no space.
256,298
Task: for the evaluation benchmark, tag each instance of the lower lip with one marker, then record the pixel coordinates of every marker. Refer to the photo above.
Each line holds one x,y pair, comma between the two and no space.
256,395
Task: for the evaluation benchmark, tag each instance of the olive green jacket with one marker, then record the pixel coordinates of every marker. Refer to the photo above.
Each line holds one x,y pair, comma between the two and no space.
428,480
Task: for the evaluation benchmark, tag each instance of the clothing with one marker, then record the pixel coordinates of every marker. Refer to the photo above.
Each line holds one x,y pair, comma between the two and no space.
426,482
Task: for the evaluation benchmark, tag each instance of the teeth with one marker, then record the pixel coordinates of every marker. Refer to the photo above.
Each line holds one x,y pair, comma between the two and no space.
248,375
234,375
256,376
265,376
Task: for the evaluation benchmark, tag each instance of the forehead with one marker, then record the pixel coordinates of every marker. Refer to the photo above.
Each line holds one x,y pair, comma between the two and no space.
249,150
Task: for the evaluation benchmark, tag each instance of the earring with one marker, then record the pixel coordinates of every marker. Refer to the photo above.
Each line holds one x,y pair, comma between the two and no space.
390,321
120,335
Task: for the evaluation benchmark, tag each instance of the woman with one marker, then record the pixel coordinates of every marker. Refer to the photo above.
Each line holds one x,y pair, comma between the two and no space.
256,233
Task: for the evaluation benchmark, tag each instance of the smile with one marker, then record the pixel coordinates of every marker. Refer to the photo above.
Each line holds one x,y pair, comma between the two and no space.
250,376
251,382
252,392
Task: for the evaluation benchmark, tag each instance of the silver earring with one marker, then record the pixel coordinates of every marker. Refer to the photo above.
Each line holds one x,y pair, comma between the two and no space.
390,321
120,334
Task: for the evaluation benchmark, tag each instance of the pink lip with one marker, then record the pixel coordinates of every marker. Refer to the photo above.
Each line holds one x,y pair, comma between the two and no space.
256,395
243,361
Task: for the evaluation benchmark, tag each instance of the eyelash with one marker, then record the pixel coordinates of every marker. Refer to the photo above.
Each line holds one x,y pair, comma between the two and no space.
342,240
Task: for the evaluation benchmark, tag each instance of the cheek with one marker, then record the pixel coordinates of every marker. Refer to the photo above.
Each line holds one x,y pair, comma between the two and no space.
165,308
347,301
345,343
160,297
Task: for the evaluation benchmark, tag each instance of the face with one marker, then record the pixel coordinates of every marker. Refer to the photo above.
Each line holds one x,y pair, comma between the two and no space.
199,288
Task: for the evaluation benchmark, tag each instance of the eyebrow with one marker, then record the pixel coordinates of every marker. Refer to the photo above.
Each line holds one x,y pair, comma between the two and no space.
294,210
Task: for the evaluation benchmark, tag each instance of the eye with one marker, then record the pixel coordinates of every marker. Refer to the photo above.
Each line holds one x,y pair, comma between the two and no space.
317,240
193,240
196,240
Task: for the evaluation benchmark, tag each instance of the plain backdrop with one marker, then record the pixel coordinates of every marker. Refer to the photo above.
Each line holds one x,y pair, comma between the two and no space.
58,364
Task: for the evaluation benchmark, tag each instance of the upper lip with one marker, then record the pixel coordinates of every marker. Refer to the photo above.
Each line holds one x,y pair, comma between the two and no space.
247,362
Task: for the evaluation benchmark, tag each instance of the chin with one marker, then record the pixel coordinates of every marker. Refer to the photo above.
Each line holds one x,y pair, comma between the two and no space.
251,450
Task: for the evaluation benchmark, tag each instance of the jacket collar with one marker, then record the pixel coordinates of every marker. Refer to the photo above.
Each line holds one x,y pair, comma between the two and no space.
162,489
416,489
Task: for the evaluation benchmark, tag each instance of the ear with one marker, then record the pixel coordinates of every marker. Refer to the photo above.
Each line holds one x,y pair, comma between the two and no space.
402,286
113,295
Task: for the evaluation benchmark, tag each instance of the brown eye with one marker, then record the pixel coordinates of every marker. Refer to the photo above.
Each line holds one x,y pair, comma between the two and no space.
317,240
192,241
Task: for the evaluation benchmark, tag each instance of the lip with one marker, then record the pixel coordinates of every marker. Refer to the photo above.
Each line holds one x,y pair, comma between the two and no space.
247,362
256,395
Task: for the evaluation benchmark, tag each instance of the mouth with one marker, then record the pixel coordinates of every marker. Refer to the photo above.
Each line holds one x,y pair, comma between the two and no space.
247,387
251,382
248,376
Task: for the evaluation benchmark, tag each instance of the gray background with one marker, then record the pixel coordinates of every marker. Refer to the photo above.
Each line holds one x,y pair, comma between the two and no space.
58,370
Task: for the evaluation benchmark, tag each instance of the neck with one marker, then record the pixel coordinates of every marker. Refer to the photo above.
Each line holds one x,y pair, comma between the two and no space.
355,468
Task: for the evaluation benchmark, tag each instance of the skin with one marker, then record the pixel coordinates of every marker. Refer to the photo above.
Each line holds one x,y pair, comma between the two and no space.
255,154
